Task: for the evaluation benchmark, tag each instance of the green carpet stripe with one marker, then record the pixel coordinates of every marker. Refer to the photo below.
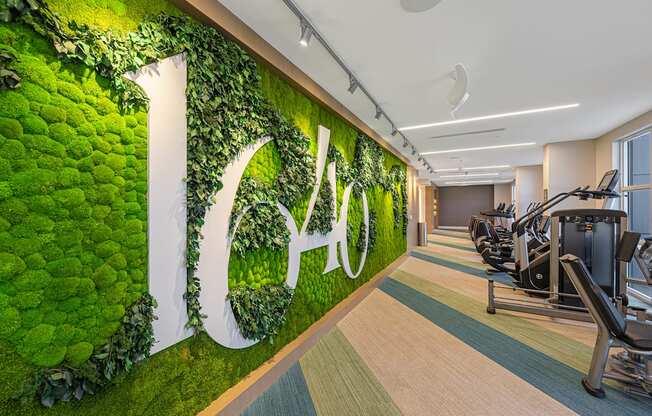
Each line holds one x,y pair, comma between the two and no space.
555,345
452,245
340,382
556,379
287,397
499,277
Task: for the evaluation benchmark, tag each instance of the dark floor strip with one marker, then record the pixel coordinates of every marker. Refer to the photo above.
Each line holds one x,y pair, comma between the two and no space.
498,277
289,396
452,245
554,378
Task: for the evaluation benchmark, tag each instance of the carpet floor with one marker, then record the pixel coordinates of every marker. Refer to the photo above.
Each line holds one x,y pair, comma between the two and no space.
423,344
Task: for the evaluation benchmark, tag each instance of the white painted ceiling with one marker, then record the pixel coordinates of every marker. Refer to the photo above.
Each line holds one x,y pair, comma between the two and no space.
520,54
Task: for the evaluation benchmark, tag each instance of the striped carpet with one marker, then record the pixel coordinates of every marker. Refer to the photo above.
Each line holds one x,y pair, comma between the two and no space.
422,344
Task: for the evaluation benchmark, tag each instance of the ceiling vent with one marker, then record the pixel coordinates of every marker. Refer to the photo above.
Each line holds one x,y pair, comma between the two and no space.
467,133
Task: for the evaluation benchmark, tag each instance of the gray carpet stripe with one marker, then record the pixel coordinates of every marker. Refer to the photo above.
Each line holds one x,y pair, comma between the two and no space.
498,277
289,396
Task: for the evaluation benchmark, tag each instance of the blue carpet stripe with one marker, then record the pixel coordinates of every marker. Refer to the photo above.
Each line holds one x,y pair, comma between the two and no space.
452,245
289,396
499,277
554,378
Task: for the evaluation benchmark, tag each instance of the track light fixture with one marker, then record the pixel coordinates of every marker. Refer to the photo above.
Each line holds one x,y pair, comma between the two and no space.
306,34
353,84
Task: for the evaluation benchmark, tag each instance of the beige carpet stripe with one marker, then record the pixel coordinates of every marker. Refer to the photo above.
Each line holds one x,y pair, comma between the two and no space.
476,289
452,251
427,371
460,234
339,381
465,241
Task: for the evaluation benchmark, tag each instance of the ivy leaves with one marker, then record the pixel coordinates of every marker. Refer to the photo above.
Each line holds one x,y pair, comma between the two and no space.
324,212
260,312
262,225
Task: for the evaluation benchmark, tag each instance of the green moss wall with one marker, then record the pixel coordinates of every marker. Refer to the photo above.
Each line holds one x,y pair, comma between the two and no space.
84,207
73,210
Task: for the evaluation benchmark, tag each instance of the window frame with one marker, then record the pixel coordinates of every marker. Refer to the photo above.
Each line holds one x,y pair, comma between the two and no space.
626,190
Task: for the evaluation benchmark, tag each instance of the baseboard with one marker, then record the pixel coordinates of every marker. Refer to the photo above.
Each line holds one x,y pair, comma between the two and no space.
237,398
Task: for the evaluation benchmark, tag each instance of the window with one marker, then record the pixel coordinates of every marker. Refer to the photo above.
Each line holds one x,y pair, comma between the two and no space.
636,154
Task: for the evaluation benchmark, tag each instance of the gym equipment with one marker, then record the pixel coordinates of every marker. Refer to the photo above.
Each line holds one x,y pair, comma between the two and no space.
592,235
632,366
536,272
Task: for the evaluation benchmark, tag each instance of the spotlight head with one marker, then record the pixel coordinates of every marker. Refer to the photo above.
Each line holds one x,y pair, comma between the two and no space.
414,151
405,143
306,34
379,113
353,84
394,131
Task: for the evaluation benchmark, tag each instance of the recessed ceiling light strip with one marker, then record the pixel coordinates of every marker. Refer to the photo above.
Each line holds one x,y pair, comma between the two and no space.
469,175
490,117
466,182
470,149
309,31
488,167
478,182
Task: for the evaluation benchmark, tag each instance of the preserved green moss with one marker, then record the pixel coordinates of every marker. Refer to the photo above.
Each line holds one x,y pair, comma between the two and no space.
60,178
33,124
13,105
79,353
10,129
53,114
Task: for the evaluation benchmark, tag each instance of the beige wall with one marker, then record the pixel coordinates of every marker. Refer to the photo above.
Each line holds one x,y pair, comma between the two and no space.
503,193
529,186
413,207
567,165
606,157
430,219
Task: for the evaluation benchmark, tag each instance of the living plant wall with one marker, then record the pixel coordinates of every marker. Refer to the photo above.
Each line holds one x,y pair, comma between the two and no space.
75,313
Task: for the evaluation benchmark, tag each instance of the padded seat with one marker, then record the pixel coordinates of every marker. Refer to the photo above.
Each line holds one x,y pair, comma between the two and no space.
613,328
638,334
